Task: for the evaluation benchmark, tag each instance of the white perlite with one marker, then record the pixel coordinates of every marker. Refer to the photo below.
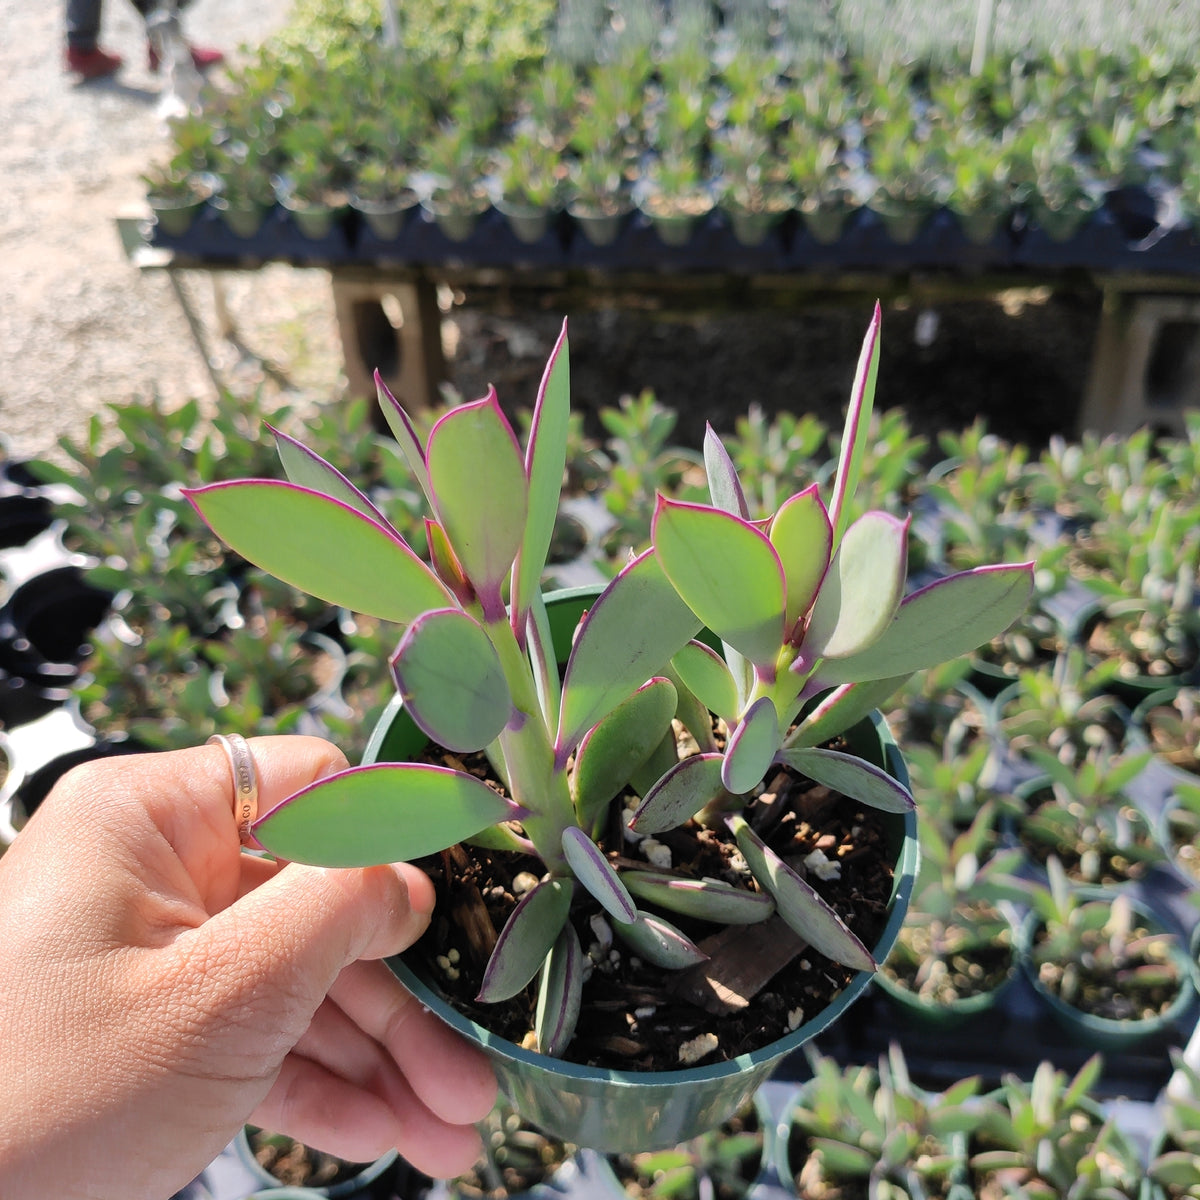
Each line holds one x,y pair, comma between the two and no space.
795,1018
692,1052
526,881
656,853
601,930
822,867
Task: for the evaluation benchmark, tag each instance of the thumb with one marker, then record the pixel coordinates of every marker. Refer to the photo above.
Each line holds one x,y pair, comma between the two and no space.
275,952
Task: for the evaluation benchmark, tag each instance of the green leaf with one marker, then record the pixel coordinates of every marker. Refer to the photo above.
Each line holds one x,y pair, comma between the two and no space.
634,628
391,812
307,469
843,707
680,793
452,681
560,994
751,748
727,572
1176,1168
842,1160
803,539
659,942
614,749
322,547
953,616
861,590
845,773
481,493
857,430
545,461
405,434
705,674
701,899
804,911
597,874
528,936
724,487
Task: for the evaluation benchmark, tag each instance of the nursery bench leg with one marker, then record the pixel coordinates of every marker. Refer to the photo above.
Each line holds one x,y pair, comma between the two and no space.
1146,364
394,327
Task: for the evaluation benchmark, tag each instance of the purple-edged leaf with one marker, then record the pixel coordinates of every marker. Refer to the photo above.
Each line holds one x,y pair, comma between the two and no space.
803,539
752,746
545,460
307,469
702,899
806,913
321,546
481,493
445,564
391,812
451,679
862,589
662,759
856,433
707,676
405,434
692,712
950,617
560,994
597,874
528,936
724,486
630,633
658,941
862,781
614,749
843,707
728,574
681,793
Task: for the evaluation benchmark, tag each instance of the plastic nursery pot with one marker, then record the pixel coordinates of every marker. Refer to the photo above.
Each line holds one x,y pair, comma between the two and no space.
351,1177
385,218
615,1111
528,223
175,217
600,228
1109,1034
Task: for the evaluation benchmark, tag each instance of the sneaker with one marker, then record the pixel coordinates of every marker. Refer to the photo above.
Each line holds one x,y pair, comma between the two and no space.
92,64
203,57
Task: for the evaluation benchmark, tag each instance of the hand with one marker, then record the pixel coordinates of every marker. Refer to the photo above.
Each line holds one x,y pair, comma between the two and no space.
159,988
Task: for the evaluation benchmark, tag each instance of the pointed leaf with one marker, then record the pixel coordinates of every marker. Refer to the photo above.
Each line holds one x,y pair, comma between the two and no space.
701,899
528,936
724,486
804,911
950,617
680,793
560,994
843,707
728,574
856,433
614,749
843,1160
630,633
659,942
545,461
307,469
451,679
405,434
705,674
322,547
862,589
448,569
481,493
391,812
803,539
752,746
597,874
845,773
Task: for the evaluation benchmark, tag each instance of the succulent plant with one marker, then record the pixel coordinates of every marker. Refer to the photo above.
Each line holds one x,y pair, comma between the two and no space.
811,609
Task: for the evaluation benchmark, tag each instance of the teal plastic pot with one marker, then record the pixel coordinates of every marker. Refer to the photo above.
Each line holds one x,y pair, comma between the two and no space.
1106,1033
618,1112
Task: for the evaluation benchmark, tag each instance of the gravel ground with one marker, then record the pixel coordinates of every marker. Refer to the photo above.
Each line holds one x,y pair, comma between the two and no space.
79,325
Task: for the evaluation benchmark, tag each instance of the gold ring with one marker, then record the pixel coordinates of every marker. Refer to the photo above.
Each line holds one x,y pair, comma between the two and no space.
245,782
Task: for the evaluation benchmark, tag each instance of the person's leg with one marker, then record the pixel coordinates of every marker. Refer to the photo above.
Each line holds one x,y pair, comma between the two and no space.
84,57
202,56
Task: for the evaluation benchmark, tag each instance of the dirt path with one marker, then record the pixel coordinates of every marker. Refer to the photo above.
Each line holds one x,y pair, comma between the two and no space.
79,325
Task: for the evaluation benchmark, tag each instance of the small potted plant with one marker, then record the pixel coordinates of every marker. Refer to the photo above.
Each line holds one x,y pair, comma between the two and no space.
531,176
817,171
583,840
1111,973
381,191
675,194
751,183
456,164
